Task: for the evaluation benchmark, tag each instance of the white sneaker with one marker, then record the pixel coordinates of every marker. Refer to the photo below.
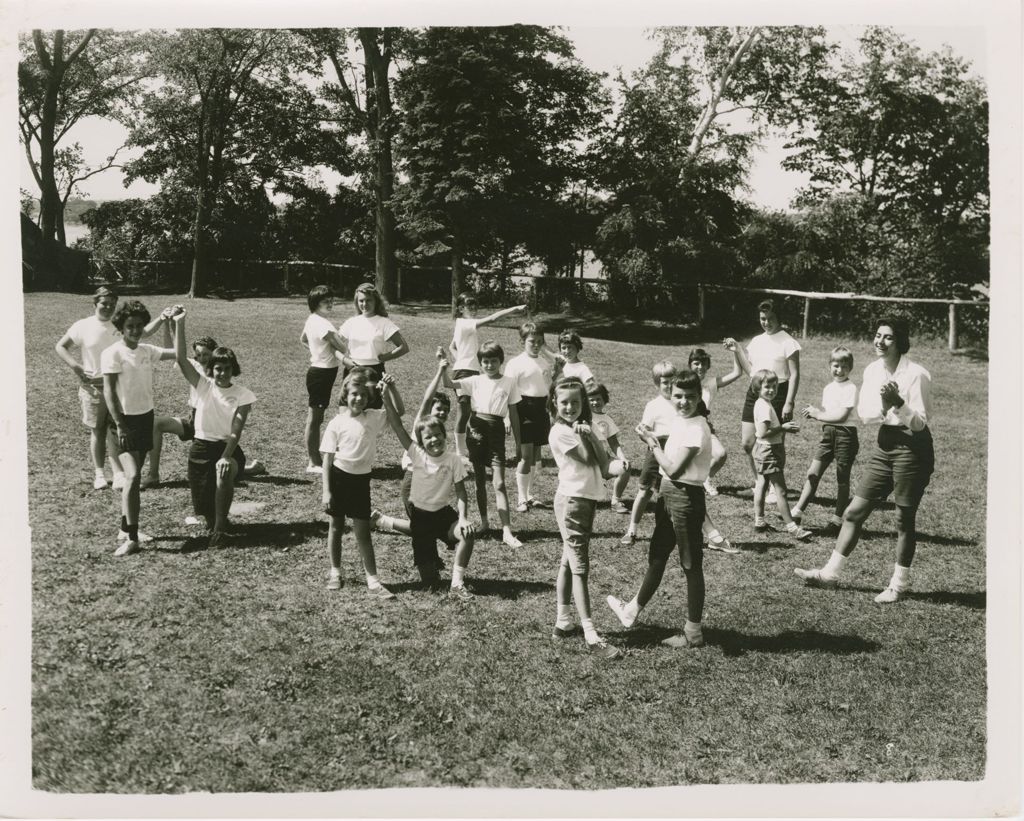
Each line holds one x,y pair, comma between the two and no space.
127,549
709,488
314,469
619,609
99,483
193,520
509,539
889,596
522,507
122,536
813,578
722,544
118,482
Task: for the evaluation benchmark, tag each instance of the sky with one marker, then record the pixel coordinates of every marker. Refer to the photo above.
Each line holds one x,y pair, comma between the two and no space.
606,49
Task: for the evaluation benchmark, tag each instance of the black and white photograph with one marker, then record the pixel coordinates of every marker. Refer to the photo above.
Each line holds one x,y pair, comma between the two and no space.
437,411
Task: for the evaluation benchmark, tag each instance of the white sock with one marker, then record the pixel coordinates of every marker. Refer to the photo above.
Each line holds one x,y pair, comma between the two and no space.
460,444
633,608
529,482
563,619
372,582
457,575
693,630
99,473
523,486
335,572
385,522
834,565
589,633
714,534
900,577
795,511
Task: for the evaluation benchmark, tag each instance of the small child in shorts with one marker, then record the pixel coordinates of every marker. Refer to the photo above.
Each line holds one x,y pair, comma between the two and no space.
569,347
607,431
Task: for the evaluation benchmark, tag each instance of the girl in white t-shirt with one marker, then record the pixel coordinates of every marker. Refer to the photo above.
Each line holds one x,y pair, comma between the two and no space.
348,448
583,465
464,345
222,408
372,338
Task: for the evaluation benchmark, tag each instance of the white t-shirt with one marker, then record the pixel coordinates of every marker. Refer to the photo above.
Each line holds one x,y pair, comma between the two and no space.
367,337
92,336
488,395
192,399
532,374
764,412
709,390
353,439
215,408
466,344
659,414
771,352
135,369
838,396
579,370
433,479
690,432
915,388
604,426
574,477
321,352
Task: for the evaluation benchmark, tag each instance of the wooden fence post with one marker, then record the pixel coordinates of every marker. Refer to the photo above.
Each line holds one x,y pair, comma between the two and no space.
954,341
807,317
700,303
398,284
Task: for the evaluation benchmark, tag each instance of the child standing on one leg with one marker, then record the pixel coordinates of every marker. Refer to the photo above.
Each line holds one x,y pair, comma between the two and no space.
769,454
658,415
532,370
127,367
607,432
348,448
582,466
839,439
464,345
684,462
436,474
324,345
492,396
222,407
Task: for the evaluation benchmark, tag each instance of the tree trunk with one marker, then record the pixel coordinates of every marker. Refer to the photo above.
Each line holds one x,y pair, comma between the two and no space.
200,246
503,273
456,270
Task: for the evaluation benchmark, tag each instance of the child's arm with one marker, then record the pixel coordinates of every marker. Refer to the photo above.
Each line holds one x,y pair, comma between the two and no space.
336,341
737,368
616,448
673,467
594,446
487,320
63,351
401,348
161,318
836,417
187,368
327,460
794,384
462,506
435,383
114,406
731,344
446,380
237,423
389,391
764,428
513,418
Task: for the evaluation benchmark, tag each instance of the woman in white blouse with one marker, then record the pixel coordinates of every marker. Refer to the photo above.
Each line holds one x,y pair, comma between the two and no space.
896,395
372,337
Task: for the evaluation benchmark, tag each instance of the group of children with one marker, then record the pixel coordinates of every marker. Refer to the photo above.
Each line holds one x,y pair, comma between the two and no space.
540,397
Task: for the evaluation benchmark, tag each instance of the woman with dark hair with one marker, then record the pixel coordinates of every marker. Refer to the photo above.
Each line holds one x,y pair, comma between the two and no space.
896,394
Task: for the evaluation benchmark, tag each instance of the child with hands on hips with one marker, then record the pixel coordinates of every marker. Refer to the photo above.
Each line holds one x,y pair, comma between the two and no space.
583,465
437,474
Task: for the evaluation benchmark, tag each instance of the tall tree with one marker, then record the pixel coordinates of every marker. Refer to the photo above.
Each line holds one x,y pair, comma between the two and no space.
490,115
63,77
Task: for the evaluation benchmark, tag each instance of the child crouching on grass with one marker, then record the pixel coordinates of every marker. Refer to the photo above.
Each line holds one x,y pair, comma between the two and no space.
437,473
348,449
582,466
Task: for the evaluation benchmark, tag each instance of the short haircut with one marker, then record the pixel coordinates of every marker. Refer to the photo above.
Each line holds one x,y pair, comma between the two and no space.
204,342
599,390
686,380
318,295
425,423
572,338
462,299
224,356
368,288
662,369
570,383
842,355
442,399
699,355
760,377
530,329
356,379
130,308
900,331
103,291
491,349
767,306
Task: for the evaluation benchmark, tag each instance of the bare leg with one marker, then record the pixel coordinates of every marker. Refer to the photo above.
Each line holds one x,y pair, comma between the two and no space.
225,493
810,487
314,418
747,437
718,456
652,580
563,585
131,463
480,476
361,529
581,594
759,489
337,527
619,487
906,535
842,488
854,517
161,425
778,482
639,506
500,495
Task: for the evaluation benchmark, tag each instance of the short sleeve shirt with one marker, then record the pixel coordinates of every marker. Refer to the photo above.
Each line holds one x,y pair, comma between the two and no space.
216,406
604,426
321,352
764,412
915,388
353,439
659,414
690,432
135,374
367,337
466,344
574,477
92,336
838,396
579,370
433,478
771,352
488,395
532,374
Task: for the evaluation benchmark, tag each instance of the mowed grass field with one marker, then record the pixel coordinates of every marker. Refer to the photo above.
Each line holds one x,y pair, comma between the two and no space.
186,669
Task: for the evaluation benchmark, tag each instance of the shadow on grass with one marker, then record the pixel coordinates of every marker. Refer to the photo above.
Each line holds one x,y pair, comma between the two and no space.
615,329
174,483
759,547
971,599
951,541
977,354
387,472
270,479
257,534
735,643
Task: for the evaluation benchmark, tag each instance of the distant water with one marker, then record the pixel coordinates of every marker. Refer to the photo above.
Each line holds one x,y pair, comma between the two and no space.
75,232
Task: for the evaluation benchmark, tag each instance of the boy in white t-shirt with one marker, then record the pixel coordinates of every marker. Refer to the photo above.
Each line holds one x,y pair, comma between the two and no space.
839,441
569,347
324,345
607,432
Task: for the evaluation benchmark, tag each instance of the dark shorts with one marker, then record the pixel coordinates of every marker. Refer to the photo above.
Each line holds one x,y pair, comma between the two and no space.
769,459
350,494
650,471
534,422
202,473
428,528
777,402
839,443
138,432
376,400
485,440
902,464
188,426
678,517
575,517
462,373
319,383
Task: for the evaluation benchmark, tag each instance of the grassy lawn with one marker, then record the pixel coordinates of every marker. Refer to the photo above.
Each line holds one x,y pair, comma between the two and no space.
185,669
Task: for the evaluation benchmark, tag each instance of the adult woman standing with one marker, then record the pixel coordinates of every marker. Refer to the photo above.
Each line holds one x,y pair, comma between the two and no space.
372,337
774,350
897,394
